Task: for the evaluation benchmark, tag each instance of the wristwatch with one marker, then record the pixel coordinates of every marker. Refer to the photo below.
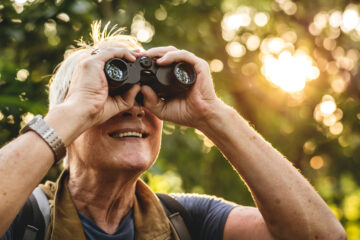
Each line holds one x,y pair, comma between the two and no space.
39,126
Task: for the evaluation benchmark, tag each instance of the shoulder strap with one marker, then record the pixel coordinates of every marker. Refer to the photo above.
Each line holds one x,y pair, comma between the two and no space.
179,217
43,203
34,217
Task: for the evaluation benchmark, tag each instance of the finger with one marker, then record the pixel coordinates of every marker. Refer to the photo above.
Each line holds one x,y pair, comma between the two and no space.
137,53
130,95
159,51
118,104
152,101
179,56
105,54
121,103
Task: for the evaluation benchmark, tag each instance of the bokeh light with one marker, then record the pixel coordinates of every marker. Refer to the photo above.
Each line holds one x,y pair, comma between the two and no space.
309,147
320,20
329,120
336,128
275,45
329,44
235,49
352,206
335,19
289,7
350,18
26,118
261,19
329,114
63,17
22,75
253,43
233,21
316,162
142,29
216,65
20,1
289,36
327,107
338,85
161,13
289,72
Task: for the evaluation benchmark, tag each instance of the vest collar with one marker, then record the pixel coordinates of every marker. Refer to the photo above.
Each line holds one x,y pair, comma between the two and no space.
151,222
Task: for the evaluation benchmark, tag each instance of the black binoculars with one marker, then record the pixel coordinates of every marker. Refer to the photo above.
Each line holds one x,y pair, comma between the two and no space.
167,81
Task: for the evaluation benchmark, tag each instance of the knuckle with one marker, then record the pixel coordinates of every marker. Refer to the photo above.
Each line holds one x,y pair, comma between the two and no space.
187,53
172,48
203,62
183,52
85,63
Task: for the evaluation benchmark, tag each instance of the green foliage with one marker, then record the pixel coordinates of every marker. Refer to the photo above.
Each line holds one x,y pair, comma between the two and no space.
325,147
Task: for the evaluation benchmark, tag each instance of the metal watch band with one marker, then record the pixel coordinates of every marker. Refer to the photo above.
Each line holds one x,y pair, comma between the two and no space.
38,125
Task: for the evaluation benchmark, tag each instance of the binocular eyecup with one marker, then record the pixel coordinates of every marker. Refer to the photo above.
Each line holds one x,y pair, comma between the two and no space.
167,81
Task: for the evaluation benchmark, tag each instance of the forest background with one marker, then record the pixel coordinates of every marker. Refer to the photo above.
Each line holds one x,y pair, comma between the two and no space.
291,68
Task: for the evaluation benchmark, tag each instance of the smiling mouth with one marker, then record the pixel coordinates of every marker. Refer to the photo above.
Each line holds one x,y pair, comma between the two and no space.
128,135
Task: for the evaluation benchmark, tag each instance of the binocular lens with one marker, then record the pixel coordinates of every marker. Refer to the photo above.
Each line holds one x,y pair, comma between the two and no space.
116,70
184,73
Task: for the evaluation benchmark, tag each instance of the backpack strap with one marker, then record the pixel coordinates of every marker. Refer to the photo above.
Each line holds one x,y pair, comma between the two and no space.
179,217
43,203
33,219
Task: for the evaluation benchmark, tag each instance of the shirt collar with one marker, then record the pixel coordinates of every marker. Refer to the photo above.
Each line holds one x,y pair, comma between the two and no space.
151,222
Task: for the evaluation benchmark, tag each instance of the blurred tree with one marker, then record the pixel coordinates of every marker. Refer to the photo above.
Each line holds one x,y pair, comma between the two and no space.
289,67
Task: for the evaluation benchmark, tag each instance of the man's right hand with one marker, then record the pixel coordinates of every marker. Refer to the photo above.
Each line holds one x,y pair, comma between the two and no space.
88,91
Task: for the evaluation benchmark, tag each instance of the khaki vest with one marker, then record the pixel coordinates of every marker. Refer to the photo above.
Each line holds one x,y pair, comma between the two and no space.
150,220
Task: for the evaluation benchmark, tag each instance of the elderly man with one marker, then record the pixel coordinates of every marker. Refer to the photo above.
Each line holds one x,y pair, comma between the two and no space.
111,141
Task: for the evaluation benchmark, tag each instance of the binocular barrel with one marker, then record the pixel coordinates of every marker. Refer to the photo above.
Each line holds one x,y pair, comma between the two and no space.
167,81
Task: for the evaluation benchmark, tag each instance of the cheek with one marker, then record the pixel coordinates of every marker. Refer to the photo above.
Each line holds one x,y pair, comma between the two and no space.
156,145
88,140
157,124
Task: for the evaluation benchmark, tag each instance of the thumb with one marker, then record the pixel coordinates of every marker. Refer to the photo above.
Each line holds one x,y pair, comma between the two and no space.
125,102
152,101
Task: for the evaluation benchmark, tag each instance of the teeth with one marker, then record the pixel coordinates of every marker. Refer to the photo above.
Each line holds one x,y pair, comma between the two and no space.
127,134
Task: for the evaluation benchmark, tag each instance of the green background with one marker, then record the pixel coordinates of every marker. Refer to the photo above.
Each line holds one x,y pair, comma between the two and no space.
35,34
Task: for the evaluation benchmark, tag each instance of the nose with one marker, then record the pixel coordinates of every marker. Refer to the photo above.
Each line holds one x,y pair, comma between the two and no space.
136,111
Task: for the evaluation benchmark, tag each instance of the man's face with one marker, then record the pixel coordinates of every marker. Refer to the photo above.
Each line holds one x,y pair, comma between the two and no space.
129,141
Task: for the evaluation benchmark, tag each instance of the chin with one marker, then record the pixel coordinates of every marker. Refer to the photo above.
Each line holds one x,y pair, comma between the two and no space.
132,162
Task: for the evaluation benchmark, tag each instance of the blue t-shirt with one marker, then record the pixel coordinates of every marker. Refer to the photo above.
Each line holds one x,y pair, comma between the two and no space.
209,213
125,230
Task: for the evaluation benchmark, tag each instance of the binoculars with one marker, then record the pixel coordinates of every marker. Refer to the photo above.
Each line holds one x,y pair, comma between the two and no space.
167,81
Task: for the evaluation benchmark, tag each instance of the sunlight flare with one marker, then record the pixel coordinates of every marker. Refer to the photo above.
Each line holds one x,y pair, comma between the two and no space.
289,72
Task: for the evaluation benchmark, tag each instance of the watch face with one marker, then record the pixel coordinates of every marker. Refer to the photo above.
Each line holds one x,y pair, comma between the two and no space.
27,127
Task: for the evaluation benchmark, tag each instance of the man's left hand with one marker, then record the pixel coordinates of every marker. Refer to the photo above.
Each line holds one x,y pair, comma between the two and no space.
198,103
